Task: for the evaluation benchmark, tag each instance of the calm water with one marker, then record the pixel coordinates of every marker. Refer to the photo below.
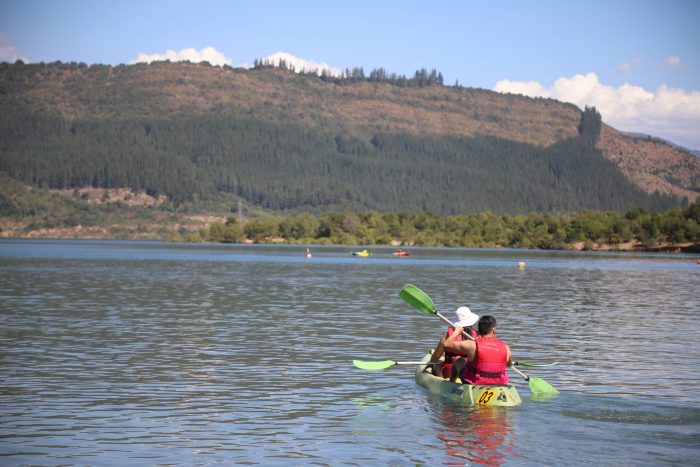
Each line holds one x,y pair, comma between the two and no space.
137,353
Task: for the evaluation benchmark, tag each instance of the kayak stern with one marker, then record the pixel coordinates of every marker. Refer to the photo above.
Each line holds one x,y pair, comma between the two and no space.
468,394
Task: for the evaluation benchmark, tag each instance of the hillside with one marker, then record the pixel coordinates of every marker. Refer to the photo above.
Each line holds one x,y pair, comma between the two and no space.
652,165
361,109
284,141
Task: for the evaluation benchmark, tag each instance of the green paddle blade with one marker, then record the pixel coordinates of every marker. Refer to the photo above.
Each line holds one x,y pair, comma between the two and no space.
541,387
363,365
417,299
534,365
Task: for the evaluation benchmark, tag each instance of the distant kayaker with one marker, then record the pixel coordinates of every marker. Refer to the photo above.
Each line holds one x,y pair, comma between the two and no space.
486,358
465,319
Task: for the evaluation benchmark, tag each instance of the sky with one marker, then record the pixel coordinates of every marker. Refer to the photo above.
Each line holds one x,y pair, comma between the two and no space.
637,62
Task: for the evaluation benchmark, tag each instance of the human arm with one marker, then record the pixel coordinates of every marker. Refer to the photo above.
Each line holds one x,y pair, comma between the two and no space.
439,350
509,358
463,346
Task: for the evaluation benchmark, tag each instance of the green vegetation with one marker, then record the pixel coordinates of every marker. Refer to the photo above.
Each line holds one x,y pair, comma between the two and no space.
320,150
287,167
487,230
421,77
36,209
29,211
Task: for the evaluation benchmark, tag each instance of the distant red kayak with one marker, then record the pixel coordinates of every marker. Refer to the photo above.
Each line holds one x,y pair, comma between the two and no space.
401,253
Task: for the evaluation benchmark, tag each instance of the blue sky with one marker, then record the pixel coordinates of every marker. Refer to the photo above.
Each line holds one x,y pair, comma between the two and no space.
637,61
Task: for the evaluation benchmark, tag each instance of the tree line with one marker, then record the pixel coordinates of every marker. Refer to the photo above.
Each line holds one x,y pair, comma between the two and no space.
478,230
284,166
43,209
421,78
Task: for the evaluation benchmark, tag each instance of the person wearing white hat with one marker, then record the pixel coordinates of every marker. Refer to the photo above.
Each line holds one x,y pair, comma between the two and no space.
465,319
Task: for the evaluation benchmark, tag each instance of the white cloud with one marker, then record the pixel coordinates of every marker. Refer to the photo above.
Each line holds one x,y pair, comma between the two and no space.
669,113
207,54
672,62
629,66
526,88
8,53
300,64
213,56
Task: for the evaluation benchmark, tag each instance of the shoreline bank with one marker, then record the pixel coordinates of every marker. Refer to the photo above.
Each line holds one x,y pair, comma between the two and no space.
101,233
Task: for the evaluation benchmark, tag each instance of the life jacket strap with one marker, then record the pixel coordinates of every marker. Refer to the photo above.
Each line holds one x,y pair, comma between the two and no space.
483,374
489,374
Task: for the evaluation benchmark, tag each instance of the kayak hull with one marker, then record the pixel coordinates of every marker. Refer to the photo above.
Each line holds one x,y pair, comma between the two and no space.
467,394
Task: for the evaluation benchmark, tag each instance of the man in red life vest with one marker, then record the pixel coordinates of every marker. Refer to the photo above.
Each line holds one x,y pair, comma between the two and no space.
465,319
486,358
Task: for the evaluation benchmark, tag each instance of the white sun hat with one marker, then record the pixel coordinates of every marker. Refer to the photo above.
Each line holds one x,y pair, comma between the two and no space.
465,317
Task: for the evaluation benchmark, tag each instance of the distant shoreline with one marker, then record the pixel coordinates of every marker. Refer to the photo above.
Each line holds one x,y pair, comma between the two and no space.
100,233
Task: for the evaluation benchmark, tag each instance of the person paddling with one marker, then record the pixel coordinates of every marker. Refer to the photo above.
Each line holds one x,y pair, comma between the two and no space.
465,320
486,358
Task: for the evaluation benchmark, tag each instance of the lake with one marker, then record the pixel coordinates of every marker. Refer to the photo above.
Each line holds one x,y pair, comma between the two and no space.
147,353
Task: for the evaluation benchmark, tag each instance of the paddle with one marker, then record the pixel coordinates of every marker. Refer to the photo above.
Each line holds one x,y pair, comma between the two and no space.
422,302
365,365
383,364
534,365
537,385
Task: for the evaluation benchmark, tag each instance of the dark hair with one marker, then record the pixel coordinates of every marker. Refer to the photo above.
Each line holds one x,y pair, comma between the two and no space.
486,324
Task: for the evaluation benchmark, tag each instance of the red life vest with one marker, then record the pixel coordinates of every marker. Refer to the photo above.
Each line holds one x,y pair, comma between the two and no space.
450,357
490,364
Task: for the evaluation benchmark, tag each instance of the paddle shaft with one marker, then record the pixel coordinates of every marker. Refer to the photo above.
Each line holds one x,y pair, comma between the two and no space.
464,333
417,363
534,365
527,378
384,364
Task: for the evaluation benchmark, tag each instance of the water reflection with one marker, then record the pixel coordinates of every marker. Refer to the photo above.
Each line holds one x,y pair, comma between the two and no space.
477,435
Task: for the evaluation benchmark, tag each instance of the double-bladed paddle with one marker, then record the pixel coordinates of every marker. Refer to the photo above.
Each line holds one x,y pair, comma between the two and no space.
383,364
422,302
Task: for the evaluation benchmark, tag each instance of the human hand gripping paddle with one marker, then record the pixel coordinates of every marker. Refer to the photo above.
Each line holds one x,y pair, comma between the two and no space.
422,302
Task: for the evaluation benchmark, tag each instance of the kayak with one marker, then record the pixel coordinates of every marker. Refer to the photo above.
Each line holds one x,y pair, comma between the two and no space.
401,253
363,253
468,394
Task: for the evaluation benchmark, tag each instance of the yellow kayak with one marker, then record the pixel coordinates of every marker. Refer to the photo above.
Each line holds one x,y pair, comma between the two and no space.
467,394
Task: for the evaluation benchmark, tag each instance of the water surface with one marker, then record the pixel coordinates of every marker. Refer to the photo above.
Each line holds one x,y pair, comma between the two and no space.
142,353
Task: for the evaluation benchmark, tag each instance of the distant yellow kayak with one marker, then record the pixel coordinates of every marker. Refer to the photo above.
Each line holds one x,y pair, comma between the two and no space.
363,253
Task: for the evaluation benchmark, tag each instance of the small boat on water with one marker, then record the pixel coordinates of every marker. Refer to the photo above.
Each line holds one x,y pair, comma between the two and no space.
468,394
363,253
400,252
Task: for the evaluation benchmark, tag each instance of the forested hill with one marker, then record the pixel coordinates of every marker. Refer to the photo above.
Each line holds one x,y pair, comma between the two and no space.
286,141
